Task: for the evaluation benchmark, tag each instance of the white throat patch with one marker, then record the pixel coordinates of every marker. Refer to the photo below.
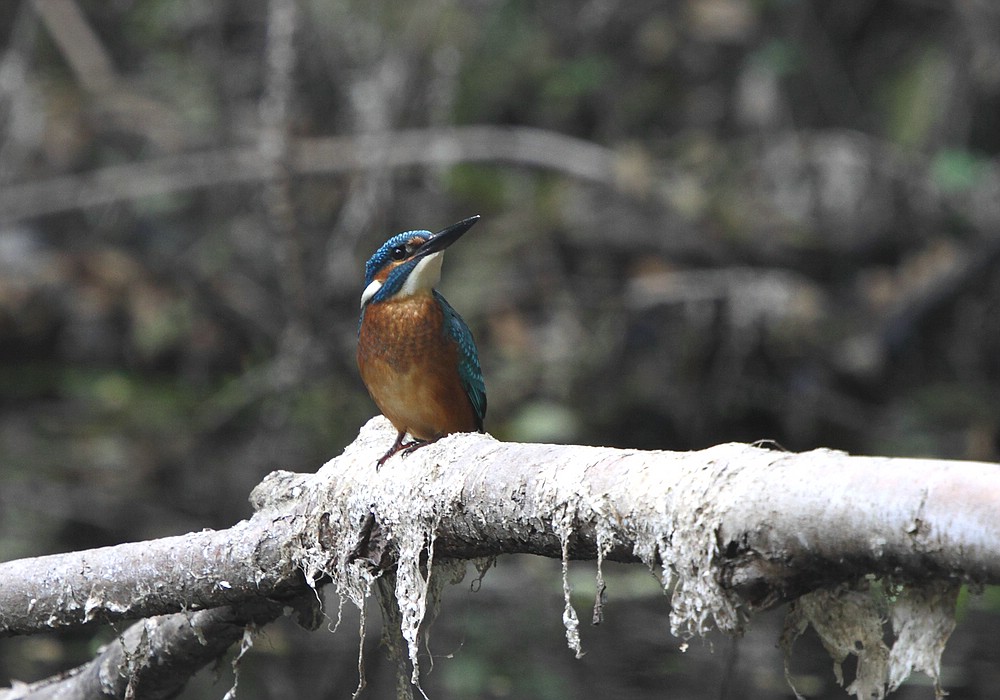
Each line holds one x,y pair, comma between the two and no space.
425,275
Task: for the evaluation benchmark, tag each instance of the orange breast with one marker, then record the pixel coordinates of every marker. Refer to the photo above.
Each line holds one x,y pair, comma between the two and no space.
410,366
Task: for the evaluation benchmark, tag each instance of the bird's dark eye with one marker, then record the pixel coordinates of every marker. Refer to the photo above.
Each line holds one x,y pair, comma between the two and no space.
398,253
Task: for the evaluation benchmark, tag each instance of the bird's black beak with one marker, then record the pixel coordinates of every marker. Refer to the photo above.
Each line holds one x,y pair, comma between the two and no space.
444,238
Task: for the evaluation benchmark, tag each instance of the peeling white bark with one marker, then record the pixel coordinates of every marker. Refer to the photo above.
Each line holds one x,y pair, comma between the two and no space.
734,527
730,530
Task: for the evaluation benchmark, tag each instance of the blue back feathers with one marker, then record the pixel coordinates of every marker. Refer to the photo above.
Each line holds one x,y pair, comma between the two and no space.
469,372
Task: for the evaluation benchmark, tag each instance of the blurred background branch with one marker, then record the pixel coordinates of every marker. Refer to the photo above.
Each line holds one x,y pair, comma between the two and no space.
82,49
318,156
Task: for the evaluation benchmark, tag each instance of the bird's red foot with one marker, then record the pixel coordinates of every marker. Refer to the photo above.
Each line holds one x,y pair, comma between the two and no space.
416,444
401,446
396,447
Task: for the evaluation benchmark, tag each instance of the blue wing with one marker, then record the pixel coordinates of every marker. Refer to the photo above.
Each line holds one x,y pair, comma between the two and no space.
469,371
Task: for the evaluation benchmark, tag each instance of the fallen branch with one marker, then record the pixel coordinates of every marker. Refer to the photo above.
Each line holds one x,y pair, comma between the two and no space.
732,529
154,658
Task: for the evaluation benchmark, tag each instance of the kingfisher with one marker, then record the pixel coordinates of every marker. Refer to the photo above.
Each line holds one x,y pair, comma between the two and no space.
416,355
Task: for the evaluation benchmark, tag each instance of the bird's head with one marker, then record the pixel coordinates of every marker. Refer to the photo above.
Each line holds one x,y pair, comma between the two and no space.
409,263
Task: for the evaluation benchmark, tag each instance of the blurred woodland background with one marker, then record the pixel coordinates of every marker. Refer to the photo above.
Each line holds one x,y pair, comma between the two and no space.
703,221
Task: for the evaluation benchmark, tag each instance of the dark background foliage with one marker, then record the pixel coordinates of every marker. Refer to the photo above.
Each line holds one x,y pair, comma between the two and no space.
797,240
